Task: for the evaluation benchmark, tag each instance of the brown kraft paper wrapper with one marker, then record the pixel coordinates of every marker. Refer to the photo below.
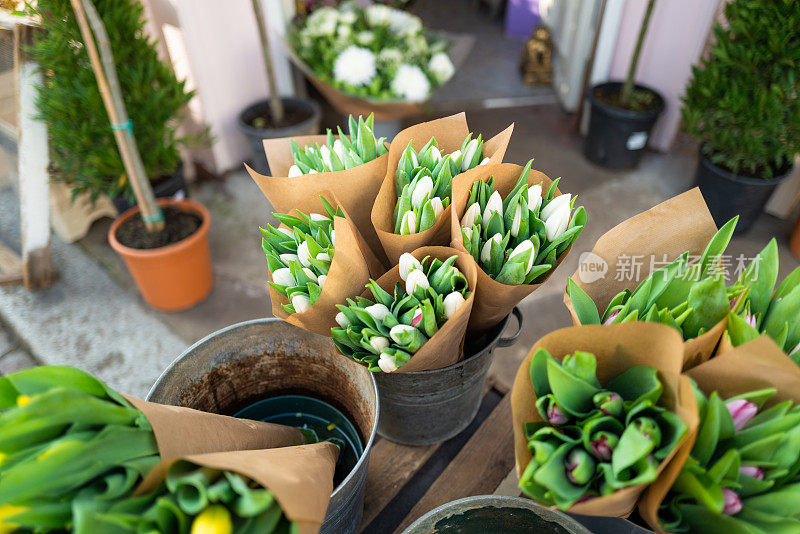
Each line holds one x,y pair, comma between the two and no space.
446,346
352,266
664,232
384,110
617,348
180,431
449,133
758,364
300,478
355,188
493,300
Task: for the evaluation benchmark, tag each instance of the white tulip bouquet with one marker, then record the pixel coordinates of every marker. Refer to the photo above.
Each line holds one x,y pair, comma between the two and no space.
423,182
339,154
518,239
299,255
372,51
384,333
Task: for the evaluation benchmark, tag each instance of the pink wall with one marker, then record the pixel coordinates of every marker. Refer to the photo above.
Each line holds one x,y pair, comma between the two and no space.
674,42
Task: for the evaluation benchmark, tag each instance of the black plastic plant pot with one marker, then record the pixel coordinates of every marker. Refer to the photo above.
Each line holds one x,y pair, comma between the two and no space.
254,368
306,113
727,194
495,513
164,187
617,137
426,407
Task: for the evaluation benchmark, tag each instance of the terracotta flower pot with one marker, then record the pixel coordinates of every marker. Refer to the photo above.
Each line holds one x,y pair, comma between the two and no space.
174,277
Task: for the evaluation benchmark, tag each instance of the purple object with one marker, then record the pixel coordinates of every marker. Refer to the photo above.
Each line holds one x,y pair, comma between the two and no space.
522,16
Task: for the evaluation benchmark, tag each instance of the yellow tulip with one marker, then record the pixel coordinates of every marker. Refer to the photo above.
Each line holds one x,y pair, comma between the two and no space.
213,520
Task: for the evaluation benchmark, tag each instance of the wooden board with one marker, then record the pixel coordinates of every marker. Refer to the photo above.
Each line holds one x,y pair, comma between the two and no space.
10,267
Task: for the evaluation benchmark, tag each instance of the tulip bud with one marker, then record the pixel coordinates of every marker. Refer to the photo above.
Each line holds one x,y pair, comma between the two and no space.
215,519
301,302
649,429
409,223
338,147
333,237
387,362
454,157
750,319
752,471
555,205
521,249
407,264
609,403
402,334
323,256
283,277
471,215
342,320
580,467
377,311
378,343
534,196
295,171
422,190
416,279
486,251
741,411
467,231
517,221
303,255
436,154
603,444
309,273
325,153
555,416
319,217
484,161
287,258
469,154
313,171
794,350
286,231
733,505
438,207
416,318
611,317
321,280
557,224
452,303
493,205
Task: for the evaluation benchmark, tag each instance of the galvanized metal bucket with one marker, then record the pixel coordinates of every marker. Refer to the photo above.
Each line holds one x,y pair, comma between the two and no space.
494,513
426,407
237,365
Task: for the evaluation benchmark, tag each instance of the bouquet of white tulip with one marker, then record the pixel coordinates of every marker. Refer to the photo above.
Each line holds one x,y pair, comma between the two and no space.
423,182
339,154
384,332
518,239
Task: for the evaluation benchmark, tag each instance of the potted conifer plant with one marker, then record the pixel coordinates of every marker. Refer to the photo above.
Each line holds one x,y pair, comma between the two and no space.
622,114
83,152
742,106
277,116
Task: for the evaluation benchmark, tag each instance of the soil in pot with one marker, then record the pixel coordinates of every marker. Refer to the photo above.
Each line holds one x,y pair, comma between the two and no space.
178,225
318,420
642,100
262,119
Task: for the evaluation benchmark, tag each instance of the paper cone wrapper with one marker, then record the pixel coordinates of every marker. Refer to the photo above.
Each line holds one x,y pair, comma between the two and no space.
384,110
662,233
493,300
352,266
300,478
446,346
355,188
617,348
180,431
449,133
758,364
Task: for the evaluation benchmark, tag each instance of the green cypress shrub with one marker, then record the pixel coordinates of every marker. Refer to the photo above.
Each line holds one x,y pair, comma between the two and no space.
742,103
83,151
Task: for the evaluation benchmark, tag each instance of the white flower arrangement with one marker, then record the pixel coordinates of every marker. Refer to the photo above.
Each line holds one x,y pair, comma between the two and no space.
375,51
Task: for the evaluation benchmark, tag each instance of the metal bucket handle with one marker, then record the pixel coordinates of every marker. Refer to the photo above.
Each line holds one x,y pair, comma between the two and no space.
510,340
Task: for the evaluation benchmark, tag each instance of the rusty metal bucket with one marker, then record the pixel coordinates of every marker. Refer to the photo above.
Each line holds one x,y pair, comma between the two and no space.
233,367
495,513
426,407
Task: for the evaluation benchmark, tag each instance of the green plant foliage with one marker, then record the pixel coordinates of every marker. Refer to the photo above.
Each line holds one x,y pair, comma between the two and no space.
82,147
742,103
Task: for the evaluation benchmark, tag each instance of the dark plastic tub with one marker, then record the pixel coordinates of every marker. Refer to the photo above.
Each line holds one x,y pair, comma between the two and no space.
167,187
426,407
233,368
255,136
617,137
727,194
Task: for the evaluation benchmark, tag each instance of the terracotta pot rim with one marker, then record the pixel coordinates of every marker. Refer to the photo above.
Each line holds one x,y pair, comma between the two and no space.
187,242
